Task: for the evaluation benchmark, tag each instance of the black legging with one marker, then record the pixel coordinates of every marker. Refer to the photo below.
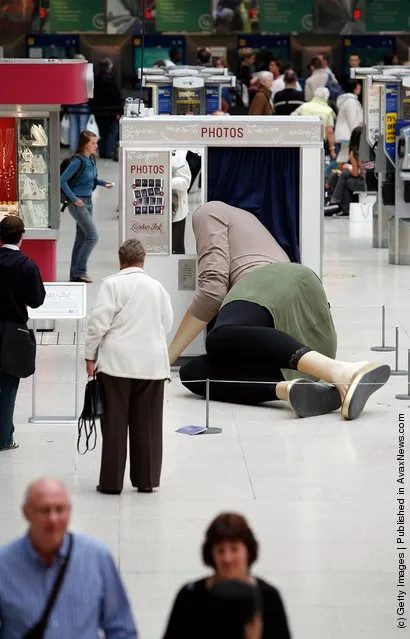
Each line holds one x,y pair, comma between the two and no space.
243,345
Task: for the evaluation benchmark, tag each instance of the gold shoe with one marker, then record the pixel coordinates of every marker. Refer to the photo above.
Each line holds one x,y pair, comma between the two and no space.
366,381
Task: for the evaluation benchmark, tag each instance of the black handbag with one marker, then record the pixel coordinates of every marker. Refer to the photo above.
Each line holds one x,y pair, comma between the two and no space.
38,631
17,349
93,409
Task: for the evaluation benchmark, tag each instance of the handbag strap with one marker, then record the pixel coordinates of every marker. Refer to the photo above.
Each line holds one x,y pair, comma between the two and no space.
52,598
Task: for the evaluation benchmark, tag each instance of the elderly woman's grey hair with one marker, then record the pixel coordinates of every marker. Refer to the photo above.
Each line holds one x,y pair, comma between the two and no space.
265,76
131,253
322,93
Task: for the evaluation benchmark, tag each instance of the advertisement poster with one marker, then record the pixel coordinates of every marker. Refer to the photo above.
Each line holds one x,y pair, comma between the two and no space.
212,98
240,16
8,161
387,15
165,99
77,15
390,119
22,16
373,113
286,16
125,16
190,16
147,199
341,17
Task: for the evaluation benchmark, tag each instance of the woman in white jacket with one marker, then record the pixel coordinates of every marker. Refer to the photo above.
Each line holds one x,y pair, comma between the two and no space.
350,116
126,344
181,181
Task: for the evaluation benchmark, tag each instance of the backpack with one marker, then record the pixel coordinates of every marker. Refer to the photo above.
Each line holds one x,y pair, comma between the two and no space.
73,179
334,88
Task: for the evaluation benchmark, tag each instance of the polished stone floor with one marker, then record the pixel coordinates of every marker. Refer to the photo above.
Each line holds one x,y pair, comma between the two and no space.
319,493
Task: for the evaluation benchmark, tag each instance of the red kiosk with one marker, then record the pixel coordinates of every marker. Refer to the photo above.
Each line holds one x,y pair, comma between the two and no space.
30,99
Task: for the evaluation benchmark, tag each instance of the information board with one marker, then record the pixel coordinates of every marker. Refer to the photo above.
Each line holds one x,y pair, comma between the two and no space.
64,300
52,45
371,49
262,45
286,16
387,15
190,16
156,48
77,15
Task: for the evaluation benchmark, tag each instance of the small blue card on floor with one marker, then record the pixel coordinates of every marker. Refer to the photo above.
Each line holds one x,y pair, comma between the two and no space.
191,430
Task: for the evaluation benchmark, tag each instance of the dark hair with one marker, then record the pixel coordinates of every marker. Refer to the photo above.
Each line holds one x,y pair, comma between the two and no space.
11,229
232,605
284,65
316,63
290,77
229,527
388,59
350,85
174,52
326,57
203,55
354,141
85,137
354,54
106,64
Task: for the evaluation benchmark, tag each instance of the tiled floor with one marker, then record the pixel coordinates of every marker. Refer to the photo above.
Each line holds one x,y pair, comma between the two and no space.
319,493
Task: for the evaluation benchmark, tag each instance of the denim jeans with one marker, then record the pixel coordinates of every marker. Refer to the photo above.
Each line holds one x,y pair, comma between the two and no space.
86,237
8,391
79,116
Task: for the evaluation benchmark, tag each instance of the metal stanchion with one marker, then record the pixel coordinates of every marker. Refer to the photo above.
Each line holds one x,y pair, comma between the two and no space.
396,371
406,397
383,348
209,430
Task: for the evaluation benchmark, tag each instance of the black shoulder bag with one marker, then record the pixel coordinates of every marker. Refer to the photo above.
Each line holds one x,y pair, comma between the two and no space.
17,349
38,631
93,409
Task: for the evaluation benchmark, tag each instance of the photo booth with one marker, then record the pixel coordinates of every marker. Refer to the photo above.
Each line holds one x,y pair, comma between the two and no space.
271,167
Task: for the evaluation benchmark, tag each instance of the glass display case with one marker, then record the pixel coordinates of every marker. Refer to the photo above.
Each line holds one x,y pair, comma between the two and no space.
33,172
29,169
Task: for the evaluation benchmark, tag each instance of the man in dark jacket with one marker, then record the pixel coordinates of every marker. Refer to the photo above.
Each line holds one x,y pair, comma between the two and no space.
107,107
20,286
287,101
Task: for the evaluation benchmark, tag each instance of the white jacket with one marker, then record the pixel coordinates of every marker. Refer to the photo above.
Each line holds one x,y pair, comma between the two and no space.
127,327
181,180
350,116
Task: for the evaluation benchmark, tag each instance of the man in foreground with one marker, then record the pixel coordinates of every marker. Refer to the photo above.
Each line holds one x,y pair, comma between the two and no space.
58,584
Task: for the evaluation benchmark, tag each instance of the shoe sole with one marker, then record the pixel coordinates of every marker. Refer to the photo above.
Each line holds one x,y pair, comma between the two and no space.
363,384
310,399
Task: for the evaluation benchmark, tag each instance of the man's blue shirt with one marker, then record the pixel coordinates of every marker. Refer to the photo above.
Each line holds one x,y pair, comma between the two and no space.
92,597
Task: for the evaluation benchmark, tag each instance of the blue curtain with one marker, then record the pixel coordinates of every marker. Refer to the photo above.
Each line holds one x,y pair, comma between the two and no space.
263,181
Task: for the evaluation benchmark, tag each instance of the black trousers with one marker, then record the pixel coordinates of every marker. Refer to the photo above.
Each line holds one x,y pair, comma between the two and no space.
133,407
194,161
178,237
244,346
